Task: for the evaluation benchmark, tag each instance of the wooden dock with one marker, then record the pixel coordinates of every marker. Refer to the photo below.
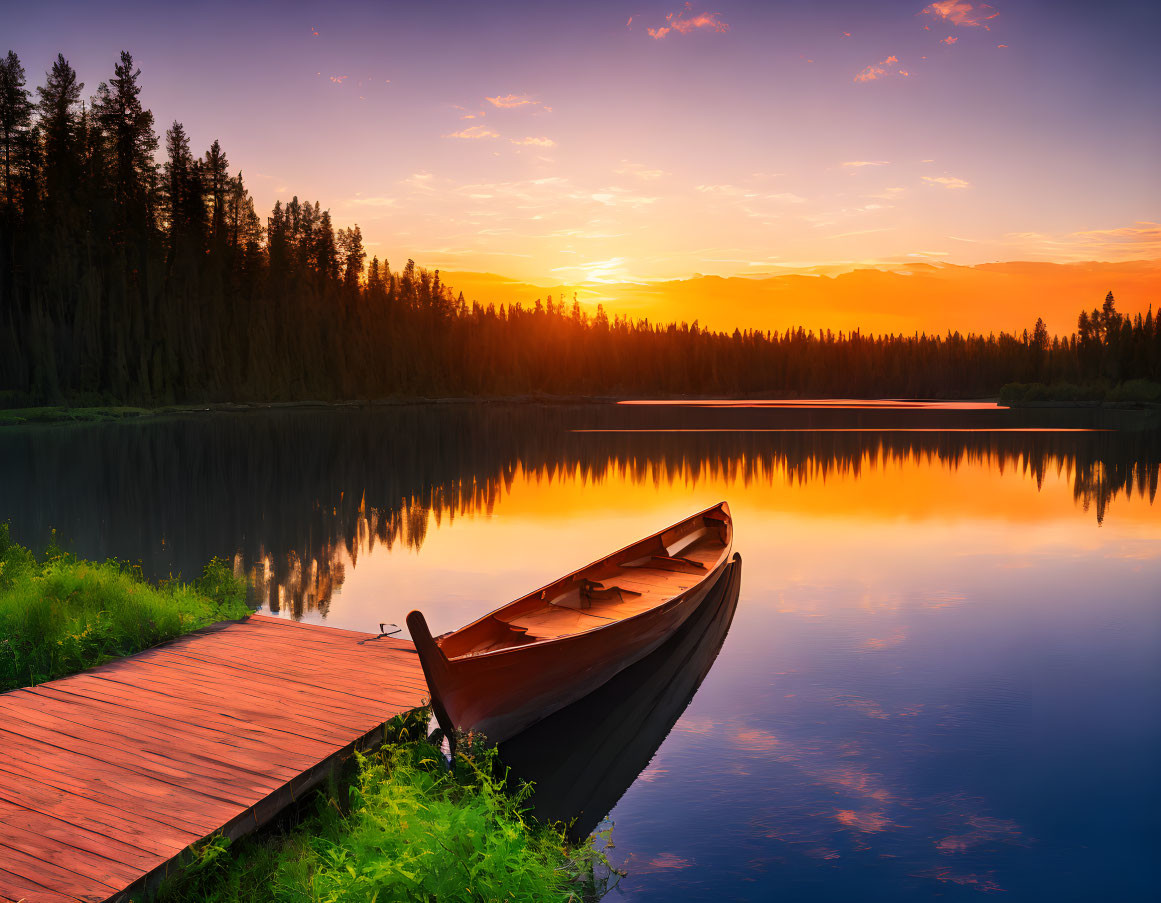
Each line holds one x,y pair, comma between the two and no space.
107,776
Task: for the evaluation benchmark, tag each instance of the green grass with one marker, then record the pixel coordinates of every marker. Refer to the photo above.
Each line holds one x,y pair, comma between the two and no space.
409,830
60,615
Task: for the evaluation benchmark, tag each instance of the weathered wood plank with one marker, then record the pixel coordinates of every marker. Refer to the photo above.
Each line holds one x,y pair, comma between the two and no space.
18,887
243,718
180,745
146,723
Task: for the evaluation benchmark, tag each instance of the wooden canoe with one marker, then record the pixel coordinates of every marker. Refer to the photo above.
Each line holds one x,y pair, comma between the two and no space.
526,660
581,759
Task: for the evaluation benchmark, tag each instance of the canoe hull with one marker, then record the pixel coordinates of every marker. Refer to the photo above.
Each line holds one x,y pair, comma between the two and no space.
530,658
501,694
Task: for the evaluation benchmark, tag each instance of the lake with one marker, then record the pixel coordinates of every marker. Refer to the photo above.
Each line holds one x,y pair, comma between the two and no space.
938,676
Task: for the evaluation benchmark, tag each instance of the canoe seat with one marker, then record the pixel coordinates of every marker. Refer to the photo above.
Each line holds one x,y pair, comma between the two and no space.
668,563
592,591
617,610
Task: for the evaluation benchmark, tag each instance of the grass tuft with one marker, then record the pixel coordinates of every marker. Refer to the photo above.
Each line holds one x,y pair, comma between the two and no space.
60,615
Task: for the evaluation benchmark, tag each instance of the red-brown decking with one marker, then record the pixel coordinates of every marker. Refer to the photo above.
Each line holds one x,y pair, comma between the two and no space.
108,775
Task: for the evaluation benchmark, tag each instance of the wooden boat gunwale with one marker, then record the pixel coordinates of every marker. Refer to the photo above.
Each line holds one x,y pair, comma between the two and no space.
708,576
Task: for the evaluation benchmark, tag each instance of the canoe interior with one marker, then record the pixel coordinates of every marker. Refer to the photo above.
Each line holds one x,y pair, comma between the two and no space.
634,580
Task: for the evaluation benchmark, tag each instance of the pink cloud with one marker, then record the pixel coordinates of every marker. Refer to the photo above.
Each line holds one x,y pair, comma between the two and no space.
980,882
877,70
961,12
475,131
686,20
949,40
508,101
866,822
951,182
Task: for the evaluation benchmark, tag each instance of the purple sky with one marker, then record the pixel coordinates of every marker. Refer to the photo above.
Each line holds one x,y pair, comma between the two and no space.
564,142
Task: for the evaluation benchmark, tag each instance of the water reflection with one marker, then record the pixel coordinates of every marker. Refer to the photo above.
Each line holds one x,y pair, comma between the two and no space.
584,757
295,497
941,679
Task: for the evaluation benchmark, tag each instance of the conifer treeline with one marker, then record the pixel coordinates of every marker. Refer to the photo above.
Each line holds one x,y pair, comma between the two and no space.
126,279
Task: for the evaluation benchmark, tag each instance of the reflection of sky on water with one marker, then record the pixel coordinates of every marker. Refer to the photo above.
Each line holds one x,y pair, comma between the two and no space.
848,403
944,672
953,691
896,711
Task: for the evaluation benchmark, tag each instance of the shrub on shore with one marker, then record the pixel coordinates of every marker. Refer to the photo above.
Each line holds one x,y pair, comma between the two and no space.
60,614
1133,391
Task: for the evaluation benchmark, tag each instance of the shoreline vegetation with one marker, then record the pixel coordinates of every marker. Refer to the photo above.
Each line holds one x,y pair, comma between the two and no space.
400,825
60,615
134,271
1134,393
406,825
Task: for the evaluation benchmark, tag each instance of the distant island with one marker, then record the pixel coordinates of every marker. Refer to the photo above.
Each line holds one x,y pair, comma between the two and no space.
128,281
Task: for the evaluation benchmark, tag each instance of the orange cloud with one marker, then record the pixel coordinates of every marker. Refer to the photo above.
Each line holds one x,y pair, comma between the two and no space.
686,20
475,131
961,12
508,101
949,40
877,70
866,163
947,181
639,170
535,142
1141,240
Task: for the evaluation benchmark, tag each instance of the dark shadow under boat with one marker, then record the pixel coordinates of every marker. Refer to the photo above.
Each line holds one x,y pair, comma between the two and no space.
584,757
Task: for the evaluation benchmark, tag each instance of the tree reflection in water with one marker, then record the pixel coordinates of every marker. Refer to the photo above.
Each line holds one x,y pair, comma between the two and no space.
289,495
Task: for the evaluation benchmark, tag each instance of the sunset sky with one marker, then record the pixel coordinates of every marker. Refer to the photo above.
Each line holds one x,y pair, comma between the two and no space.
631,141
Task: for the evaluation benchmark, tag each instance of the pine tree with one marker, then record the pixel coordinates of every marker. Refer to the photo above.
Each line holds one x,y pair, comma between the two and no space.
216,171
59,97
177,183
15,125
128,129
350,245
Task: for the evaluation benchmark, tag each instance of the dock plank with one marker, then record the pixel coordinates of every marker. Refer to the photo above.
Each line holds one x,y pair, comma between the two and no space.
110,775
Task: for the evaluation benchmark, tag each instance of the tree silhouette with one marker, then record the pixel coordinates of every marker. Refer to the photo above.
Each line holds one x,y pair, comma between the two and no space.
15,124
125,281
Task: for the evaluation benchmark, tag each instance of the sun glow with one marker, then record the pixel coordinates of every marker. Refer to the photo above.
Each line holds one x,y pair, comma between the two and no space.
689,140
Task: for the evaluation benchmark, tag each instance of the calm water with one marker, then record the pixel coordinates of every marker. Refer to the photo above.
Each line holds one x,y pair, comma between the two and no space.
940,675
